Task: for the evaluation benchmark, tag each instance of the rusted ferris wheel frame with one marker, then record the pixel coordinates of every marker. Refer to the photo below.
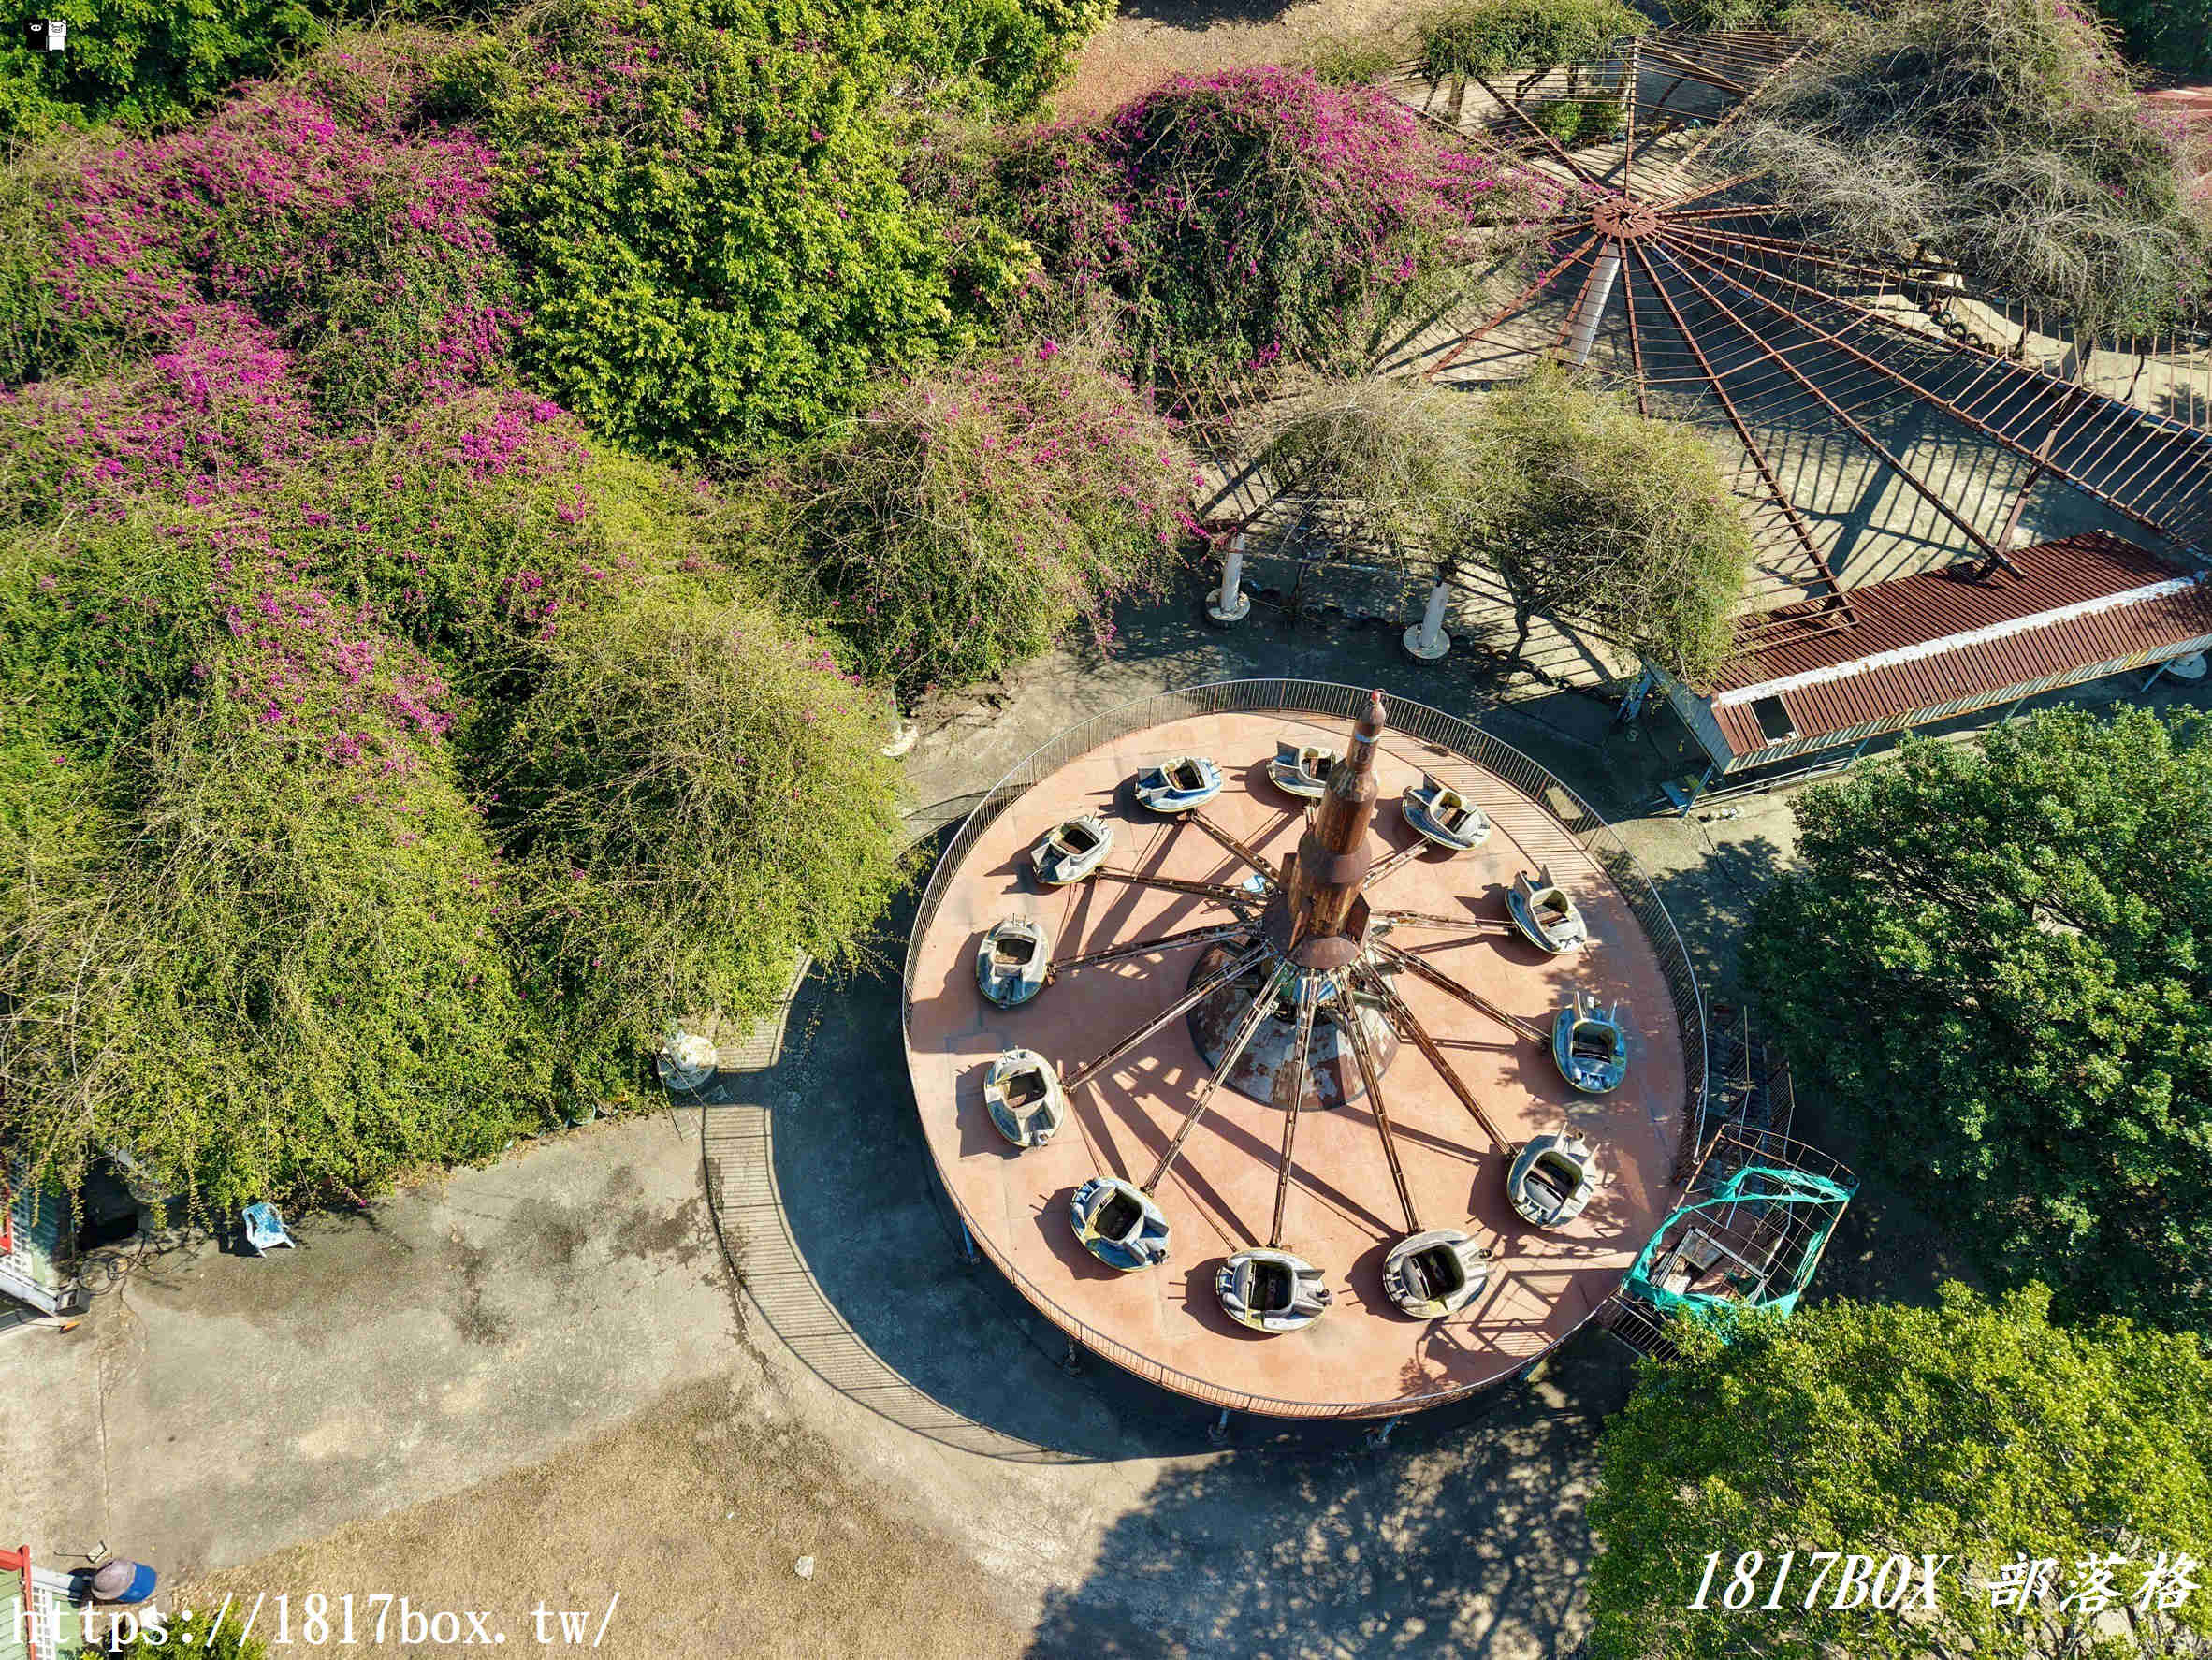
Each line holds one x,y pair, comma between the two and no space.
1756,306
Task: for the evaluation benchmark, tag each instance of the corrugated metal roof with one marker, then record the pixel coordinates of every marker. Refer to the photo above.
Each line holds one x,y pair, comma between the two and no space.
1943,636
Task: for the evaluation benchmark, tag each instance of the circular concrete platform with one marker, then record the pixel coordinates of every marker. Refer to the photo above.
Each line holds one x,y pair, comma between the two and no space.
1165,1324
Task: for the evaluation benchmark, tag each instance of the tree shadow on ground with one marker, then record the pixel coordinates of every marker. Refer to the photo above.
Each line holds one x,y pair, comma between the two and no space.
1461,1539
1201,15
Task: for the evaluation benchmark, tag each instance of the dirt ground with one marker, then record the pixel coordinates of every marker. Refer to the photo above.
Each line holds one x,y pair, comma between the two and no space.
1149,40
697,1512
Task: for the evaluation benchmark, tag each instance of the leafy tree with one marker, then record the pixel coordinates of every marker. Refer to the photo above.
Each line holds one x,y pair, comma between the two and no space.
719,254
1594,513
2171,34
142,63
2004,138
1995,957
1977,1432
983,508
1003,54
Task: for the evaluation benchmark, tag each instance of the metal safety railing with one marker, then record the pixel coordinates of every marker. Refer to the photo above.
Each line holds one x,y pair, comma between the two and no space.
1576,819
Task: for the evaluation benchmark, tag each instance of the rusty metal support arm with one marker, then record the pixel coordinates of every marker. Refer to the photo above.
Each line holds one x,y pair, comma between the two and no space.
1550,143
1435,1056
1474,1000
1256,860
1856,428
1213,934
1176,884
1390,862
1973,422
1372,1078
1181,1006
1743,434
1309,1001
1506,311
1231,1052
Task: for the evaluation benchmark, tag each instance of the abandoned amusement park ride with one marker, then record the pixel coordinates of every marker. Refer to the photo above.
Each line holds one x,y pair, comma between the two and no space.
1321,1073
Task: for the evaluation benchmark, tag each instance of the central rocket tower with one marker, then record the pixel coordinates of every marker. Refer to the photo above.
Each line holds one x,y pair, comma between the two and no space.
1318,916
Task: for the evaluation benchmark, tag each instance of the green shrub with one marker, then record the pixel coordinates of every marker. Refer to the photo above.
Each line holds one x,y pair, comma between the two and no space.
718,253
1976,1434
1003,54
1391,456
981,510
229,1640
2003,138
1994,957
1579,121
1592,513
143,63
99,626
2171,35
278,972
1354,60
1493,36
690,795
1787,17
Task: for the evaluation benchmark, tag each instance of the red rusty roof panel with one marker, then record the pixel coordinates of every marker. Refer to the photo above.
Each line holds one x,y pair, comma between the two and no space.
1948,635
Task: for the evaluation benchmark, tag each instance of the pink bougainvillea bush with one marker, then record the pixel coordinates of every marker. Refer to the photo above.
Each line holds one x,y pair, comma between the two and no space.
356,238
324,854
1253,215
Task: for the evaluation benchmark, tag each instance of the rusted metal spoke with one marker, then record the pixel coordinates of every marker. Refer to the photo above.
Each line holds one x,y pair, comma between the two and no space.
1428,919
1695,71
1231,1052
1574,311
1506,311
1721,125
1730,182
1550,143
1390,862
1256,860
1856,428
1181,1006
1632,70
1175,884
1805,253
1796,520
1730,211
1371,1078
1636,339
1309,992
1974,423
1411,1028
1215,934
1474,1000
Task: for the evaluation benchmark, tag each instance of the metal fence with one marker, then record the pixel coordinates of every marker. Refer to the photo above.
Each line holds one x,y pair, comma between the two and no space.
1579,822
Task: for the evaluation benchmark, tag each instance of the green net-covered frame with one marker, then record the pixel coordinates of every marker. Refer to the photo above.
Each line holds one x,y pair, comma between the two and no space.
1749,1232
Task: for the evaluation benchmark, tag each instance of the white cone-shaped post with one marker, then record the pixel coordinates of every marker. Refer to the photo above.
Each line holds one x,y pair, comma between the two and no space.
1228,603
1426,641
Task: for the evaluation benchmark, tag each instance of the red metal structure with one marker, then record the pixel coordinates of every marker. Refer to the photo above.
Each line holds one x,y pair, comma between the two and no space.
21,1635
